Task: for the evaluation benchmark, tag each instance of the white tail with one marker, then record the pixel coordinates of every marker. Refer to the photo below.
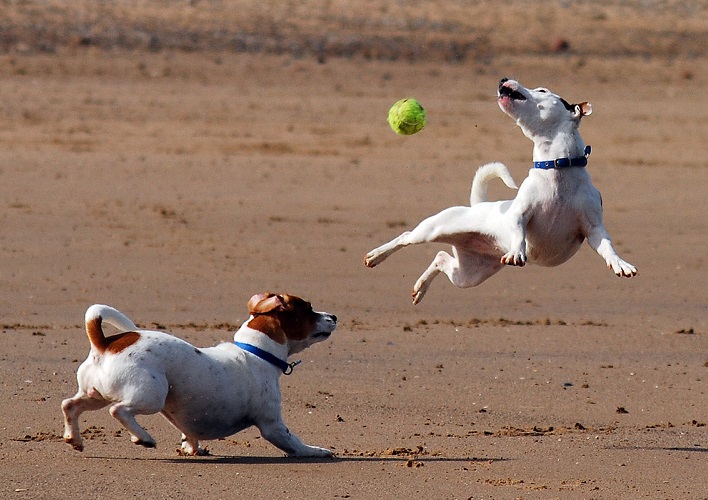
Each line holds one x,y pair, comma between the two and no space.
96,314
110,315
486,173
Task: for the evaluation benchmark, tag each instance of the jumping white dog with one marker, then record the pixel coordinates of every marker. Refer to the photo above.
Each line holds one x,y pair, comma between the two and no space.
206,393
555,209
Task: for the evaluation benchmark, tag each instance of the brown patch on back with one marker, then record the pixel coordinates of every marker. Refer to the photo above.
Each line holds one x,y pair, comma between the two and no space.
114,344
122,341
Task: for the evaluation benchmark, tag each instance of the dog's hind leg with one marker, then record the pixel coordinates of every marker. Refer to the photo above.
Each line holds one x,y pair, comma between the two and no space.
463,269
72,408
430,229
124,414
145,395
379,254
441,260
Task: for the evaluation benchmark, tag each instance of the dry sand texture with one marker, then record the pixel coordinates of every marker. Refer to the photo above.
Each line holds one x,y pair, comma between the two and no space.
173,158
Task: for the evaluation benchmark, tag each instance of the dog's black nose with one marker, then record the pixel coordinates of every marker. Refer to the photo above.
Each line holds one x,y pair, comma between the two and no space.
334,318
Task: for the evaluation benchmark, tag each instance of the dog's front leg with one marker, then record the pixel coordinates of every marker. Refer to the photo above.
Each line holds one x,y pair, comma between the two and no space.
599,240
516,255
190,447
277,433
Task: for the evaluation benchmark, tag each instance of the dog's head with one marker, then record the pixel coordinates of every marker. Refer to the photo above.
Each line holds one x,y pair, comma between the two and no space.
289,320
538,111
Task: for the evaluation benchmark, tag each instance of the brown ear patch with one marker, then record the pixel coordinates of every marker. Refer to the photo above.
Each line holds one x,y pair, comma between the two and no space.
282,317
264,303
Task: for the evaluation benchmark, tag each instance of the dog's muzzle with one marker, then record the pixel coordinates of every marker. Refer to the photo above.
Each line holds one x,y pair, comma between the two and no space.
507,91
331,321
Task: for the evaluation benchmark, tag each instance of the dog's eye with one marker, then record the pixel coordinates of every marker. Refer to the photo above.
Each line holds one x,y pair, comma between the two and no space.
544,91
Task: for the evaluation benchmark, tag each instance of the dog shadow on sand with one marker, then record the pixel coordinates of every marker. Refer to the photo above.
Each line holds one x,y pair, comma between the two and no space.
410,461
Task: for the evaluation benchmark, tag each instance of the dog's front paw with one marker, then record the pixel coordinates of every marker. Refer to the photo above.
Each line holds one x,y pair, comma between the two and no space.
517,258
197,452
312,451
621,268
147,443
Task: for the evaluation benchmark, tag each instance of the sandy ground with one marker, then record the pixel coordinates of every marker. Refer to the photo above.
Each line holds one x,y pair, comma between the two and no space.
174,184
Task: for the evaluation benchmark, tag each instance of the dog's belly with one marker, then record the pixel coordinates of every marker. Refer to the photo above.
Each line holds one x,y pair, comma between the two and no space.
477,243
207,422
212,410
550,250
213,393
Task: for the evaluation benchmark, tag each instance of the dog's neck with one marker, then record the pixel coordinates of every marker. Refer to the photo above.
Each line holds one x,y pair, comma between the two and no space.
564,144
248,335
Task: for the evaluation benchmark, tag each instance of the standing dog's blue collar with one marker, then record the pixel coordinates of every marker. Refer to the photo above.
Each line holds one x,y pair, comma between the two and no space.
580,161
287,368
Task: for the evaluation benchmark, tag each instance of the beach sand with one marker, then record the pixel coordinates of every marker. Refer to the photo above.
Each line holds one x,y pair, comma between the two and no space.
174,173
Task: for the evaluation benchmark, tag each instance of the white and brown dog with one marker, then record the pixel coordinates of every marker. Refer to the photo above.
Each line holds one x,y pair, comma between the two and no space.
555,210
206,393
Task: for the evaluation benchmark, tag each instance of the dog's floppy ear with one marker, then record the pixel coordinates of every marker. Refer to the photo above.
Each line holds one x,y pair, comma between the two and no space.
263,303
583,109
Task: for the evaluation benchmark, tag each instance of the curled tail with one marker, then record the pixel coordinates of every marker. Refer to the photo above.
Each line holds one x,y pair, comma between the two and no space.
486,173
95,316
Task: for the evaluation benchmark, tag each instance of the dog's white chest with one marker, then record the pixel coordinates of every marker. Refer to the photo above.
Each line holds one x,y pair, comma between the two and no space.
553,225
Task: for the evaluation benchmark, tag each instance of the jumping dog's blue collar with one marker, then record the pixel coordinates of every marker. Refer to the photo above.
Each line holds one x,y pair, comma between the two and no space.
287,368
579,161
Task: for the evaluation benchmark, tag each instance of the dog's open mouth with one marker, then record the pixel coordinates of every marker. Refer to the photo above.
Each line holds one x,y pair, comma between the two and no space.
506,91
322,334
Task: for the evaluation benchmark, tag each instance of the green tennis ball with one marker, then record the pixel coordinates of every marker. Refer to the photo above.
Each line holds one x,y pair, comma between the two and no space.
406,117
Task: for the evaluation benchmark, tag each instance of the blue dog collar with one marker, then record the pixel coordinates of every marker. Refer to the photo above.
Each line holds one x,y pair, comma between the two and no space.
580,161
285,367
